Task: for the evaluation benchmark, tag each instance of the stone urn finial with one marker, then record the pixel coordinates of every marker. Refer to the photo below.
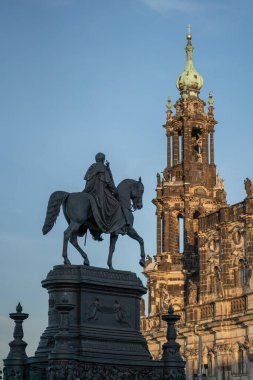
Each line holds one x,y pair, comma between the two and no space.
17,358
171,357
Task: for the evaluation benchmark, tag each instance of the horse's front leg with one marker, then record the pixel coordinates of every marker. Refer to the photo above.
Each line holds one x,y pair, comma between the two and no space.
113,239
134,235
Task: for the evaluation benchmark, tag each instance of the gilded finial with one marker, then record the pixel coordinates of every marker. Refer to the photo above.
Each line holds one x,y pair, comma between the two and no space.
189,35
189,77
210,100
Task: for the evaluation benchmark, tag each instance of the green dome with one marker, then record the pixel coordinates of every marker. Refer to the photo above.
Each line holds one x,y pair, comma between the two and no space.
189,81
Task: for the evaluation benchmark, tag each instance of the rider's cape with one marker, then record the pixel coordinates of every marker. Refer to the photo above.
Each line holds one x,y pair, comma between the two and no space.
106,209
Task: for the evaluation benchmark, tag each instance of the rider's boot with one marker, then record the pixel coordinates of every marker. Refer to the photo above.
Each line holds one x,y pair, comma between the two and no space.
97,235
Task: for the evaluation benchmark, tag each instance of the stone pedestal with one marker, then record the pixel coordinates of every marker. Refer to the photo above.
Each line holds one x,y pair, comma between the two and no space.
94,333
98,312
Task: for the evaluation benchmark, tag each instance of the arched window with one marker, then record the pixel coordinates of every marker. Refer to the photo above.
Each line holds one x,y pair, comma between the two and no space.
242,272
196,138
196,216
180,233
196,229
211,281
236,278
240,361
210,365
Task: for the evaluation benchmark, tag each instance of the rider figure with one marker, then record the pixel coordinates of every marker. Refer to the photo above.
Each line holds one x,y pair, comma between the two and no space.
97,173
100,184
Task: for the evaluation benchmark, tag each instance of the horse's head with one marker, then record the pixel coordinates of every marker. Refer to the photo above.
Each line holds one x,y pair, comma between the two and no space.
137,190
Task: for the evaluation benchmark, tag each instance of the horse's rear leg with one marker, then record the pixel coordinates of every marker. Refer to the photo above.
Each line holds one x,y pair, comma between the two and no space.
134,235
74,242
113,239
67,234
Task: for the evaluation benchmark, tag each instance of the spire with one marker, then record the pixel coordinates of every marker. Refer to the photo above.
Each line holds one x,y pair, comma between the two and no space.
169,107
189,81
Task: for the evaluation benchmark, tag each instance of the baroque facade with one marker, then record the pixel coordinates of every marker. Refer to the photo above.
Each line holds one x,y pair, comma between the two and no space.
204,259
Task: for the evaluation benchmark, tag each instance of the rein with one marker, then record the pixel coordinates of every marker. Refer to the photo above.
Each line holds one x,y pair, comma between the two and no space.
129,199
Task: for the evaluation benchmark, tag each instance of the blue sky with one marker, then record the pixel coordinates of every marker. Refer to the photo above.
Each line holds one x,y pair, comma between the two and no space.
82,76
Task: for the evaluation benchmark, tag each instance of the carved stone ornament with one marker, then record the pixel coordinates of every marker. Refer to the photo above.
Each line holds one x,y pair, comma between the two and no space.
192,293
237,237
175,374
69,370
213,244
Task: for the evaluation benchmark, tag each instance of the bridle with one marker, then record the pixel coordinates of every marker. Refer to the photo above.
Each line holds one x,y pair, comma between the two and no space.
136,193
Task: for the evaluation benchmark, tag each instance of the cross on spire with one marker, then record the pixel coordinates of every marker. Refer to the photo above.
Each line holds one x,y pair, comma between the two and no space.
189,29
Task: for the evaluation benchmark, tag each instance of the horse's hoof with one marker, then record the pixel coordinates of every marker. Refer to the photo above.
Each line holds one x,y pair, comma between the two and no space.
142,262
110,267
67,262
86,262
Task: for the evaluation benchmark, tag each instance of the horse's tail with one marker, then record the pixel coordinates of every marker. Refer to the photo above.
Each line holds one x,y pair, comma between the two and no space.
53,209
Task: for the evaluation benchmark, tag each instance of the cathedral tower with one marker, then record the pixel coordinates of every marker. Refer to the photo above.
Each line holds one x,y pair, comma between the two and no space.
203,265
190,186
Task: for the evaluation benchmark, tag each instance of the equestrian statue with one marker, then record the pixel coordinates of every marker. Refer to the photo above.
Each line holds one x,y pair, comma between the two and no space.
100,208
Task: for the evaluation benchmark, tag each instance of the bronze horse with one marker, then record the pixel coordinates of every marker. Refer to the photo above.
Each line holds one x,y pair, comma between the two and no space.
78,213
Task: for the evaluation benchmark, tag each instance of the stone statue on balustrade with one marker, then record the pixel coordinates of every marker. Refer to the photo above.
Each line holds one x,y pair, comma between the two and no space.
248,187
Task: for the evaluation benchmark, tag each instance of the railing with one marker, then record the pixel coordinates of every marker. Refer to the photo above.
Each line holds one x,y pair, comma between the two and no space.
150,323
237,210
231,213
155,322
207,311
238,305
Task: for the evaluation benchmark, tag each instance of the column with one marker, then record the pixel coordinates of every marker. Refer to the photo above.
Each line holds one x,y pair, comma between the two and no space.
166,231
168,151
186,143
211,148
174,236
182,146
175,148
158,232
205,147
